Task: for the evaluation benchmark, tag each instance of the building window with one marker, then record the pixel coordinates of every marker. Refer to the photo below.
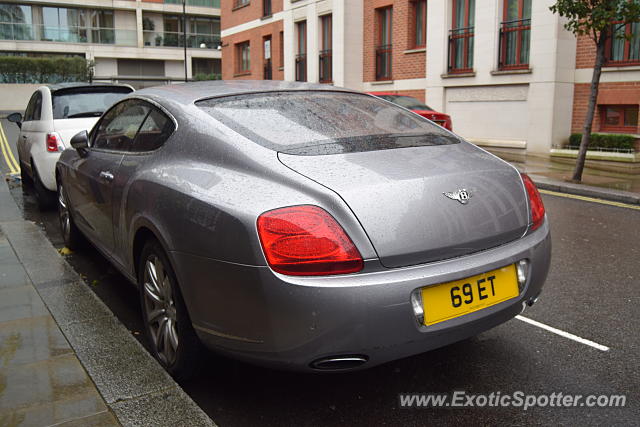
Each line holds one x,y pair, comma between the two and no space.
420,23
267,67
243,55
619,118
515,35
326,60
206,68
281,62
624,45
461,36
301,56
240,3
384,51
266,8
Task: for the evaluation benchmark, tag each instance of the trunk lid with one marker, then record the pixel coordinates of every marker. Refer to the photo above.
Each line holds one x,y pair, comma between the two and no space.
397,195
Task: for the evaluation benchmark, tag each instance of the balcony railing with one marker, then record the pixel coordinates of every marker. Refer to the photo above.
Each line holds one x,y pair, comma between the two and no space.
326,66
514,44
175,39
384,62
35,32
200,3
268,70
461,50
301,67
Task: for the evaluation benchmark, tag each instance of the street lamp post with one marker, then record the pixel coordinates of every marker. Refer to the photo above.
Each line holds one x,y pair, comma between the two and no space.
184,37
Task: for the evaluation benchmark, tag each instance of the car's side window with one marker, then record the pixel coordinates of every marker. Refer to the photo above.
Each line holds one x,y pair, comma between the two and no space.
37,109
119,126
155,130
28,113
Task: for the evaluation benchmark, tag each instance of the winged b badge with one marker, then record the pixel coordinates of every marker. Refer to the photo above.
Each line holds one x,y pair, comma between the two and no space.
461,195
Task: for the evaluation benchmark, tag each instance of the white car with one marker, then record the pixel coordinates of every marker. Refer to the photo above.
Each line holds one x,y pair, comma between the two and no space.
54,114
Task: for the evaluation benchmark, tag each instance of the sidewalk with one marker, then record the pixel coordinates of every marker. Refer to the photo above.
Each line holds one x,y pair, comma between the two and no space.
64,358
554,176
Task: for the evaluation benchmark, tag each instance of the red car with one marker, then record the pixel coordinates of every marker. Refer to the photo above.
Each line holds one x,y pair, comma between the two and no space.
418,107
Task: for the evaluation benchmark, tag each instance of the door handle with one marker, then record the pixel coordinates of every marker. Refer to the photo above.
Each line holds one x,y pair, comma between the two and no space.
106,175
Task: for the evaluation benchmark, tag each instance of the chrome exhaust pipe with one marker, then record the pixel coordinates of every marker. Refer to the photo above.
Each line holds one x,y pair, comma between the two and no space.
339,363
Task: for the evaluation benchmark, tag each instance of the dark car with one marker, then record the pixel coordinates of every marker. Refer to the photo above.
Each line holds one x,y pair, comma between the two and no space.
301,226
417,107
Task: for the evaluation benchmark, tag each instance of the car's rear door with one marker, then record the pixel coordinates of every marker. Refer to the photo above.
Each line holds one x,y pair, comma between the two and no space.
95,175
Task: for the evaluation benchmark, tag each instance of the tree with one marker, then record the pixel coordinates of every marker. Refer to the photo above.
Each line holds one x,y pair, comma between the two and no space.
600,20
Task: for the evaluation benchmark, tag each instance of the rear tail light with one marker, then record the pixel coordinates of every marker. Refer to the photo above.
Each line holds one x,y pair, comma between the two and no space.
54,142
535,202
306,241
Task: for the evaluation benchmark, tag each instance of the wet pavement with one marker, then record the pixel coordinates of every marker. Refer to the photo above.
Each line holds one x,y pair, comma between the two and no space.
592,292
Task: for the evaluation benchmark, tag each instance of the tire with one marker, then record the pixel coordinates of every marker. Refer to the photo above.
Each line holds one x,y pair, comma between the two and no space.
173,341
24,176
46,199
73,238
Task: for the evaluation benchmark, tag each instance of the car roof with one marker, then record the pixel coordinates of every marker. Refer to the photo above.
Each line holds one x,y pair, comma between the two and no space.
188,93
68,85
389,94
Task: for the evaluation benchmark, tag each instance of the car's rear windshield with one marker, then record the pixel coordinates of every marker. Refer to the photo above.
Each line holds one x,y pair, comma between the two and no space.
323,122
86,101
406,102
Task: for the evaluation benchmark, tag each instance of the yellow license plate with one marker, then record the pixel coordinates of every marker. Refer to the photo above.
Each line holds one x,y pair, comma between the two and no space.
453,299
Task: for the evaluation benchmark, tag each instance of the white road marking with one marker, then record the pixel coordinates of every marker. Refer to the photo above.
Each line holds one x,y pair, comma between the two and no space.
563,333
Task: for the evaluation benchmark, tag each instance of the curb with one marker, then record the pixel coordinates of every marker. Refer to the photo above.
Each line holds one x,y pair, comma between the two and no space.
136,389
610,194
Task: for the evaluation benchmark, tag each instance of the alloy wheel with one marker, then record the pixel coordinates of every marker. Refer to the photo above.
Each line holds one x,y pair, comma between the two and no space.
160,310
63,213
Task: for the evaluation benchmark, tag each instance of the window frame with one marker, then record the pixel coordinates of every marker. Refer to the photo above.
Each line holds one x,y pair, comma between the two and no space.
384,47
325,75
620,127
467,35
505,29
240,59
416,5
626,60
301,51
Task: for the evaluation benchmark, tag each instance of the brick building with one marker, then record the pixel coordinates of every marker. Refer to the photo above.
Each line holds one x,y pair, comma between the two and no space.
507,71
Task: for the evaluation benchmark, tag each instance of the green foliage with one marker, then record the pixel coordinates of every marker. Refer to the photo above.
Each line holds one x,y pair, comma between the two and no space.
593,16
20,69
212,76
600,140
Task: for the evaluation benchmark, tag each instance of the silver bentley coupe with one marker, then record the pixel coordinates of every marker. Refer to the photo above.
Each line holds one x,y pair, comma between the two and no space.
301,226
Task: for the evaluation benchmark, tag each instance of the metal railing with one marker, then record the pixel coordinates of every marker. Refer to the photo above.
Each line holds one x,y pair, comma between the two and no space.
37,32
267,70
175,39
461,50
301,67
514,44
326,66
384,55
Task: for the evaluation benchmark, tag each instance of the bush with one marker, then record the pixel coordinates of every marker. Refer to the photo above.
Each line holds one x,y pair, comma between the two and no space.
599,140
213,76
21,69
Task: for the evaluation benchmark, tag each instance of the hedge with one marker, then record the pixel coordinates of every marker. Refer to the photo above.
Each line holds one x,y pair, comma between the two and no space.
21,69
202,76
599,140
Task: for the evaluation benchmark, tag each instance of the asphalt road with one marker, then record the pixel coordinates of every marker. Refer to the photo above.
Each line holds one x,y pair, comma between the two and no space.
593,292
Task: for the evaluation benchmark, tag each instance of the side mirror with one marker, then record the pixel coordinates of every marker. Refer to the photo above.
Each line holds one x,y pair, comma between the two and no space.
15,118
80,141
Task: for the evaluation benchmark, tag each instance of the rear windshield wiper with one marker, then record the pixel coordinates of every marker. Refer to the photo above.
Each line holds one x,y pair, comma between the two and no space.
85,114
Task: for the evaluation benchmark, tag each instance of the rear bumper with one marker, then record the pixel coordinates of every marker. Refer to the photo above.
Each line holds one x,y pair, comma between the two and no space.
288,322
